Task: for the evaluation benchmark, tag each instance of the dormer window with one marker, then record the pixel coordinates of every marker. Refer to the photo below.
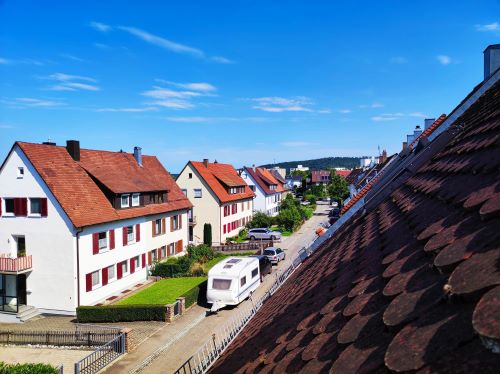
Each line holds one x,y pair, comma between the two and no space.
125,203
272,187
235,190
135,199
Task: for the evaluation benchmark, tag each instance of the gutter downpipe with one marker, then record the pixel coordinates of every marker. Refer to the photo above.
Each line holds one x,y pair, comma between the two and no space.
78,232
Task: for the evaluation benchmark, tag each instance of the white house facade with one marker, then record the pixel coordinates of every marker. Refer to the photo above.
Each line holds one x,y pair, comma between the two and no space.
78,226
268,190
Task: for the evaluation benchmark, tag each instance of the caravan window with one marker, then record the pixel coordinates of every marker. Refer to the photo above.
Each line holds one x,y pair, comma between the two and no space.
243,281
255,272
221,284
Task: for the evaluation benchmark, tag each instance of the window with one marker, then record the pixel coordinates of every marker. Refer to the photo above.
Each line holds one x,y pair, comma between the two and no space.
197,192
255,272
125,201
35,206
171,249
163,251
243,281
9,206
125,267
111,272
153,255
175,222
221,284
130,234
20,172
135,199
185,192
103,240
190,175
96,280
158,226
137,263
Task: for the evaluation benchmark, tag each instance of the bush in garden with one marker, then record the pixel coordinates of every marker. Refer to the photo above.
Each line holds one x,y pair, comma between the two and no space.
201,253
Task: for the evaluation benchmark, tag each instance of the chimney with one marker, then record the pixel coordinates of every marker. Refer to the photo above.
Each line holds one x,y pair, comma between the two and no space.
138,155
49,142
417,132
73,148
491,60
253,167
205,162
428,122
405,145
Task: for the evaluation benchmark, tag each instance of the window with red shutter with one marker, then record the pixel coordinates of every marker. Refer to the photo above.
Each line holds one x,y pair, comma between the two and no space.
143,260
112,239
150,260
125,236
119,270
95,243
132,266
104,276
43,207
138,232
223,229
88,282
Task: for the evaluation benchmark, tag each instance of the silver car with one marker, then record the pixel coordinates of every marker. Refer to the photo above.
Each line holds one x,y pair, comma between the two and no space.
274,254
264,234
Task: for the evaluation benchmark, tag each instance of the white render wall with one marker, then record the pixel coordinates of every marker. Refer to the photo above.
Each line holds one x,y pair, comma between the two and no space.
245,211
267,204
51,285
90,262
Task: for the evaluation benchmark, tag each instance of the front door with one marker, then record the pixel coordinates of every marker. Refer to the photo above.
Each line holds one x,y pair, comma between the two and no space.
21,289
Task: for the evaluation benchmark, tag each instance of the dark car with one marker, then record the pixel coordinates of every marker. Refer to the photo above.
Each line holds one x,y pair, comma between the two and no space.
265,266
333,216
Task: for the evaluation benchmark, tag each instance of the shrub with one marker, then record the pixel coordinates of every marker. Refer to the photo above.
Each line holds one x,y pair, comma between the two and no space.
27,369
173,268
196,294
307,212
207,234
197,269
290,219
201,253
260,220
120,313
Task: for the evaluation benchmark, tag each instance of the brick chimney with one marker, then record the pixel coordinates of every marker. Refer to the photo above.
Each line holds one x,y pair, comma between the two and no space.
73,148
205,162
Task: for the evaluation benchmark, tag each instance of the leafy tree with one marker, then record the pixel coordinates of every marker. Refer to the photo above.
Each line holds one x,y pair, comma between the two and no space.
260,220
338,189
207,234
290,218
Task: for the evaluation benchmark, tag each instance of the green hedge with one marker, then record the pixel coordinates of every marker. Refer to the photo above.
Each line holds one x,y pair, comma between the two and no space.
195,294
120,313
27,369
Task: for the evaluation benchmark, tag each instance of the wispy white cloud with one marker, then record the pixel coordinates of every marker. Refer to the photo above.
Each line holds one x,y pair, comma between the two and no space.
345,111
444,59
72,57
384,118
69,82
128,110
399,60
280,104
200,86
99,26
189,119
4,61
101,46
28,61
296,144
222,60
418,114
398,115
178,99
30,102
373,105
495,26
324,111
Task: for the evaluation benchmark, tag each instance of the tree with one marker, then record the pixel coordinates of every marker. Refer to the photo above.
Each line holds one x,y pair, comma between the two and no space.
337,188
289,218
260,220
207,234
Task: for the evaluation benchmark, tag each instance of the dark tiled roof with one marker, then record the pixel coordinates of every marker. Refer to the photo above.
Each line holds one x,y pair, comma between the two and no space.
352,178
278,176
412,284
80,196
264,178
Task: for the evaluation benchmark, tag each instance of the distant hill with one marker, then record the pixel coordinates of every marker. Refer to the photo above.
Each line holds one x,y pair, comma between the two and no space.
320,163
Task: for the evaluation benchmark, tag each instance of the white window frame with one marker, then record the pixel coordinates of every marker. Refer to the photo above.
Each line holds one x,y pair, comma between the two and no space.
128,200
154,255
31,213
197,193
131,236
114,273
137,262
103,241
136,199
98,284
176,222
158,226
125,264
4,208
20,172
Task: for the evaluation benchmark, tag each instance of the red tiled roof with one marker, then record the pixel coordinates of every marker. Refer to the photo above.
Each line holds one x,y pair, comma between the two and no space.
264,178
413,284
343,173
221,176
317,174
81,198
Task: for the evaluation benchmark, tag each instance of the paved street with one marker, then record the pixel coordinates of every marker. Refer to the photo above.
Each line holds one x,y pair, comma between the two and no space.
182,338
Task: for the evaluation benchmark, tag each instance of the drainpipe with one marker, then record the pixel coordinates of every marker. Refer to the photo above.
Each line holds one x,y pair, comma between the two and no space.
78,232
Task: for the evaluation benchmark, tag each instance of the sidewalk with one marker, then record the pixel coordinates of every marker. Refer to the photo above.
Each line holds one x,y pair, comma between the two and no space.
182,338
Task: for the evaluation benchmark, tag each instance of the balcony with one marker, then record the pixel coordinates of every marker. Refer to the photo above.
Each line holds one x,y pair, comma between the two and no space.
192,220
15,265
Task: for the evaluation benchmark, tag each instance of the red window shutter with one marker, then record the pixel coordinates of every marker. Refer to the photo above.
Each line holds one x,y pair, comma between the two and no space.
119,270
143,260
21,206
111,239
150,258
104,276
132,266
153,227
43,207
223,229
88,282
125,236
171,224
138,232
95,243
181,245
163,225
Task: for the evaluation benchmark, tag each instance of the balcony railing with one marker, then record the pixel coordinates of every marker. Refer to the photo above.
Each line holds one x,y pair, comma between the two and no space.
192,220
15,265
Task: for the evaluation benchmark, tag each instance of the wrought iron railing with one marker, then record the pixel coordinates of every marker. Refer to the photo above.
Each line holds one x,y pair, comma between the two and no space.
102,356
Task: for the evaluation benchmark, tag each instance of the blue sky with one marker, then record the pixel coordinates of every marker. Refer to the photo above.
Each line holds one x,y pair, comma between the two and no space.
242,82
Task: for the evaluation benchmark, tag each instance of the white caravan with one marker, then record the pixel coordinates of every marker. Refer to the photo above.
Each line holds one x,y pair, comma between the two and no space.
231,281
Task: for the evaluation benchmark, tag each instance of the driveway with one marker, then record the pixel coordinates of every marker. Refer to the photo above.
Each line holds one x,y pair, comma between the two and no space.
166,350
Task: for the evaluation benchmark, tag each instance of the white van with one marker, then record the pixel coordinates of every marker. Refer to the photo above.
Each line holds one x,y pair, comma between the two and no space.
231,281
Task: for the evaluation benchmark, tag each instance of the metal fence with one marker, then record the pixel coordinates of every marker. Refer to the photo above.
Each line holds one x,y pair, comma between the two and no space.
83,335
204,358
257,245
102,356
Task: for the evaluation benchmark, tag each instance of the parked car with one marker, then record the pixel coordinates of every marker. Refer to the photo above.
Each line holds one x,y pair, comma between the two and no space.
265,266
335,212
264,234
274,254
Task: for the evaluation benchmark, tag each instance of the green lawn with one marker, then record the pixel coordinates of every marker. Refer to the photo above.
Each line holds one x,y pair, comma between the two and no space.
163,292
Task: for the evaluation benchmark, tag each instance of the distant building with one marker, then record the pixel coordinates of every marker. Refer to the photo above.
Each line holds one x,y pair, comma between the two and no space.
267,188
320,176
299,168
280,171
293,182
